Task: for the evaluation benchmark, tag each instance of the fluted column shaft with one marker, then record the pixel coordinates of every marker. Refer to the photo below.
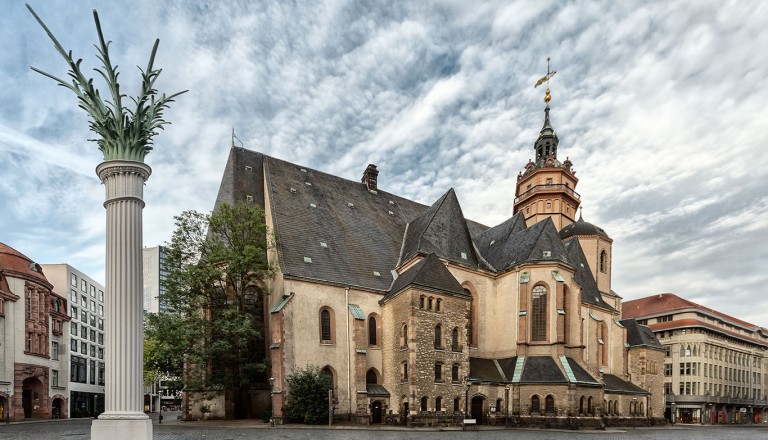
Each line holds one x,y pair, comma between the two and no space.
124,349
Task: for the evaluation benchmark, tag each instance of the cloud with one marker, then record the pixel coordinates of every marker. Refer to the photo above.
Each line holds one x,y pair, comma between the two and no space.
658,105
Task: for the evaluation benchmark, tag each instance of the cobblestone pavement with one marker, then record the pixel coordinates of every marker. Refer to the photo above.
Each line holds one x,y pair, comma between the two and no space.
78,429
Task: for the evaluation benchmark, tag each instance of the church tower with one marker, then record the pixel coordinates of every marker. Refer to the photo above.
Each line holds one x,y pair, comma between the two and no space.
547,186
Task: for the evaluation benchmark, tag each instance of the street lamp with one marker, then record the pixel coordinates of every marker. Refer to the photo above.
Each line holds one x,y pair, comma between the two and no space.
271,381
506,404
466,397
673,412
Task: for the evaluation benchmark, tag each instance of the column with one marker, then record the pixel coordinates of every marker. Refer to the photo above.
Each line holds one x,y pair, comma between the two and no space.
123,417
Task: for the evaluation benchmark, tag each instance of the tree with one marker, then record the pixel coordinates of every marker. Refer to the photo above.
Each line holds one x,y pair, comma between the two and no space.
215,291
307,396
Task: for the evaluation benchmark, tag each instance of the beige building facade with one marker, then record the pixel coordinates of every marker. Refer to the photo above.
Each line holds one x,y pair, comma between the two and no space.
33,361
715,365
420,316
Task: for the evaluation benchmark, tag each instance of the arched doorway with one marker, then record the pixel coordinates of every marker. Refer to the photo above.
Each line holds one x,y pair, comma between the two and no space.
477,408
376,411
32,397
3,408
56,408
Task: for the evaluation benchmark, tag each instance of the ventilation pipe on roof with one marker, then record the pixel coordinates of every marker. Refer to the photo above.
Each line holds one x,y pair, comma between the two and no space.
370,177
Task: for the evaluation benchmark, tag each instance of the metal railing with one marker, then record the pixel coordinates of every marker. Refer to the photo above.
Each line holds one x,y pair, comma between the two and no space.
548,188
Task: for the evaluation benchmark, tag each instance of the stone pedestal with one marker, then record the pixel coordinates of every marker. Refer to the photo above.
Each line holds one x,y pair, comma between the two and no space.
123,416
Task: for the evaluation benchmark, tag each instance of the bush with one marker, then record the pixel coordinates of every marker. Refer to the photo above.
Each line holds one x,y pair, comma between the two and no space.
307,396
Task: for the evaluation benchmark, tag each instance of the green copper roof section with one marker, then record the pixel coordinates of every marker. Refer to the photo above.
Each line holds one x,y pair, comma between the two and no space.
567,368
618,323
518,369
524,278
556,275
592,315
361,351
279,306
357,312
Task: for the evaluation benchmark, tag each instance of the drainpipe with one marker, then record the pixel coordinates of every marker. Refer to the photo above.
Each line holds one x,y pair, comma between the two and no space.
349,362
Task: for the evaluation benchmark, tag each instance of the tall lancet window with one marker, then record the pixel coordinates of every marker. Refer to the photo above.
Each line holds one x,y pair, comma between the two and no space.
539,314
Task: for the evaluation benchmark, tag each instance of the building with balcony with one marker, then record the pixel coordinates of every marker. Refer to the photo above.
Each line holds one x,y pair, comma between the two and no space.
84,338
715,365
33,343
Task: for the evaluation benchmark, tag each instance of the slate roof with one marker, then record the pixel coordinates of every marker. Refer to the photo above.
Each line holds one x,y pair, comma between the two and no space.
375,390
581,375
335,230
443,229
492,370
429,273
581,227
523,246
615,384
541,369
639,335
589,292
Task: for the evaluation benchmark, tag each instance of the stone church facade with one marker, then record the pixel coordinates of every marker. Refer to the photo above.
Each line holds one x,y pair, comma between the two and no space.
421,316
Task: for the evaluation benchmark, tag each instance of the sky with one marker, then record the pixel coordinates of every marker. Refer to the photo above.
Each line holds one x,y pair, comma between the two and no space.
659,105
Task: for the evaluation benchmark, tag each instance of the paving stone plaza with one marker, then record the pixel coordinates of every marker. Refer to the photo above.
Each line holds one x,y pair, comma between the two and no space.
79,429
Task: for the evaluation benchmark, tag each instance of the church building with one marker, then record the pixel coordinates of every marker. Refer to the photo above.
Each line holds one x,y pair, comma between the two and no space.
420,316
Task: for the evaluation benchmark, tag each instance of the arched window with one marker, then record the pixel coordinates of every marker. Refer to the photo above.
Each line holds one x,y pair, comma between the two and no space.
472,319
422,299
326,325
590,408
535,404
404,335
373,336
424,404
581,405
438,371
404,371
370,377
549,404
430,302
603,261
438,302
327,373
438,403
455,373
566,313
455,339
539,314
438,336
602,350
456,405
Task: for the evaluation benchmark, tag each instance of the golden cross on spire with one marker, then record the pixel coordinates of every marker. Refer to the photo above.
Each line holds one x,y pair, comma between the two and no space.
545,78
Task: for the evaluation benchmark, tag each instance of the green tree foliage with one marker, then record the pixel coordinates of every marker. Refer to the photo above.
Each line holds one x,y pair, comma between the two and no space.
215,291
163,351
307,396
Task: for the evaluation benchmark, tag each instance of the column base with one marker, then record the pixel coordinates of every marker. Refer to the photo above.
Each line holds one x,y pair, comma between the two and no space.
121,429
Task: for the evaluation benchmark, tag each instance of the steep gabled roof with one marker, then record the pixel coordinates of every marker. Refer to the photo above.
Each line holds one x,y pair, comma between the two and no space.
527,245
490,242
441,229
590,294
639,335
331,229
429,273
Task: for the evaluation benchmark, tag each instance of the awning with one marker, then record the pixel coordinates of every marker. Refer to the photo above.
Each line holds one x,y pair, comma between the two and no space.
376,390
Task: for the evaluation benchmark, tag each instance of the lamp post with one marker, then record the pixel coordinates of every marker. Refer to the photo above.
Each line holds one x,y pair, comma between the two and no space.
506,405
466,397
673,412
272,401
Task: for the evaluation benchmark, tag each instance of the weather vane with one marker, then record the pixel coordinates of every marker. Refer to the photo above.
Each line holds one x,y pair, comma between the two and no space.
543,79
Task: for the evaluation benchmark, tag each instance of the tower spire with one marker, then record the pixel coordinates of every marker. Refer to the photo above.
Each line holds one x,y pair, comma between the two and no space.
546,144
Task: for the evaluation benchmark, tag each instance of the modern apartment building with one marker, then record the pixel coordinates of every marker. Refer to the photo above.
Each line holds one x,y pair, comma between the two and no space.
716,366
85,337
155,272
